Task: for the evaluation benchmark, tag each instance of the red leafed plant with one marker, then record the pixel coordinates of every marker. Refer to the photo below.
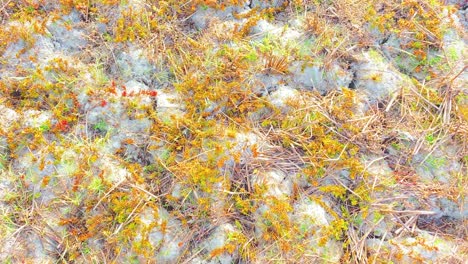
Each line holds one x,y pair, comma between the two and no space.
62,125
150,93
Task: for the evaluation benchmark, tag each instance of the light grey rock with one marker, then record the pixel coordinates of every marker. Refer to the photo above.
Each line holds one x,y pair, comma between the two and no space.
136,5
10,55
4,153
68,164
463,15
282,33
101,28
8,117
455,50
267,83
28,248
216,241
266,3
459,3
282,96
6,187
321,79
265,27
135,87
164,233
133,65
277,183
18,54
113,118
135,153
377,77
446,212
44,49
68,39
443,207
27,164
377,167
241,143
135,128
440,165
35,118
169,106
308,76
423,247
204,15
312,220
95,115
115,172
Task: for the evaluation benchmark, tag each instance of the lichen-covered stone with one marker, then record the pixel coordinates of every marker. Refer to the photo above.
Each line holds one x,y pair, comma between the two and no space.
319,78
377,77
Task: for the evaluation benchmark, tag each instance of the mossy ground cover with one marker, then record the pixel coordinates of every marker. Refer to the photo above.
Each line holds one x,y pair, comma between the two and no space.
232,132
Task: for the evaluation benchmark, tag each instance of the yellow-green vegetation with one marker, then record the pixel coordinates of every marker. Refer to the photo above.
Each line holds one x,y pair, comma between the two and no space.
101,170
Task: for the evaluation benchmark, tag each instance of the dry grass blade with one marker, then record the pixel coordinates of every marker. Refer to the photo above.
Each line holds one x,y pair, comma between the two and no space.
276,64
